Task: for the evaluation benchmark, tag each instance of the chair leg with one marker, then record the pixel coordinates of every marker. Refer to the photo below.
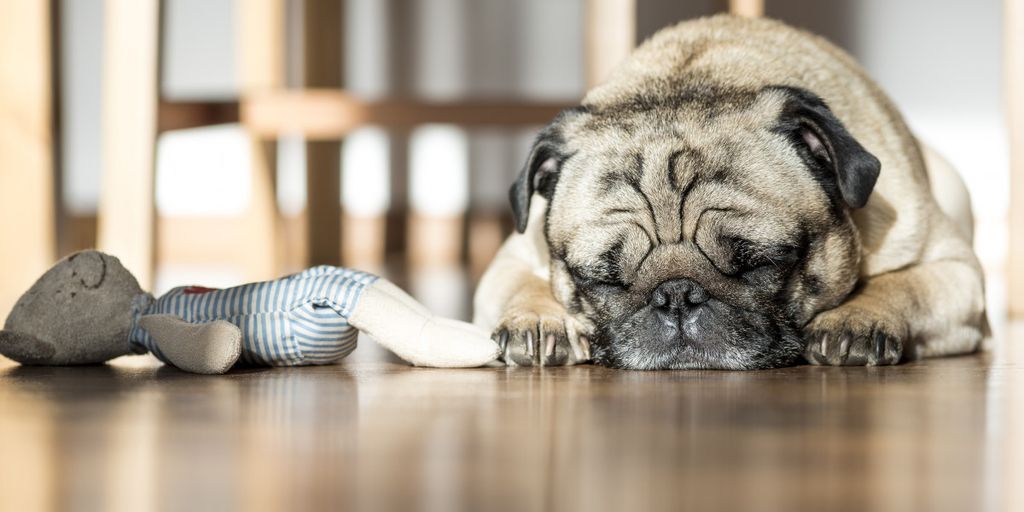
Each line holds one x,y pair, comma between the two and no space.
323,68
264,219
127,211
610,34
27,225
747,8
261,43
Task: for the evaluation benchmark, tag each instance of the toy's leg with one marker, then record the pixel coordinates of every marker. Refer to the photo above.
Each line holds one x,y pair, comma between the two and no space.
199,348
404,326
387,287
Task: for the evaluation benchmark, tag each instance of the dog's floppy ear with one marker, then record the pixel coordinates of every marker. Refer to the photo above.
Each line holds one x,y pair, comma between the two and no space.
541,170
811,123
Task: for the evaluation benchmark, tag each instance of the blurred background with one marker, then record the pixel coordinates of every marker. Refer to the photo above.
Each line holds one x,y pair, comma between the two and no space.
220,141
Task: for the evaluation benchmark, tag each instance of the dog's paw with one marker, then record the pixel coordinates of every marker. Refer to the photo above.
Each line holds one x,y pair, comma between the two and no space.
541,337
853,336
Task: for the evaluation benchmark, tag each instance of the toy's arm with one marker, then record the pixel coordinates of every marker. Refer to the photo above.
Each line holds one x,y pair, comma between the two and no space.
401,324
199,348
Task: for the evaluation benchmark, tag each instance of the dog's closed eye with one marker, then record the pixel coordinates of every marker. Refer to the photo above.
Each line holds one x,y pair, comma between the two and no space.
590,277
749,255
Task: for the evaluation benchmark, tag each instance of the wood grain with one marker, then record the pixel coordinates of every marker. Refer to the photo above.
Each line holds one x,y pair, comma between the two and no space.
374,434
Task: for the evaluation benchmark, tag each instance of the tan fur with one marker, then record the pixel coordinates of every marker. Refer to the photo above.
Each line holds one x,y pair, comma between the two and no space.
917,276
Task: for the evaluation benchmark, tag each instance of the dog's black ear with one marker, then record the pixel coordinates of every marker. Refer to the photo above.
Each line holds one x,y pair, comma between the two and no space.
540,174
809,120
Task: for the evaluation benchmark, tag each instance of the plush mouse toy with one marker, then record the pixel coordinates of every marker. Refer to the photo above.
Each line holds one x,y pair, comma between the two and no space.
88,309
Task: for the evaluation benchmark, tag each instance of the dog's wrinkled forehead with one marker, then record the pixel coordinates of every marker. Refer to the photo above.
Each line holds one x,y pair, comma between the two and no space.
689,106
652,168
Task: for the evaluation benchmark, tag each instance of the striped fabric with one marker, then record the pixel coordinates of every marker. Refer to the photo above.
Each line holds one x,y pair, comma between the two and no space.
298,320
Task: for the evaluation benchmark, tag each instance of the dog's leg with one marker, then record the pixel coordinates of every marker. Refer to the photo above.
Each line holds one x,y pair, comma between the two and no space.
931,309
514,300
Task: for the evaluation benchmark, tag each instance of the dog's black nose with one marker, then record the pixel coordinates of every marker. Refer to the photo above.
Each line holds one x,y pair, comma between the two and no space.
676,296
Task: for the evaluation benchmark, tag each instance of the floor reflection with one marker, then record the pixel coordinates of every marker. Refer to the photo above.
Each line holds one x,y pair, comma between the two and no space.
113,438
373,434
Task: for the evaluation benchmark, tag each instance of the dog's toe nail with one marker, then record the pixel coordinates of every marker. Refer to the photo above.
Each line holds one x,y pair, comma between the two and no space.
835,350
502,339
517,354
558,356
893,350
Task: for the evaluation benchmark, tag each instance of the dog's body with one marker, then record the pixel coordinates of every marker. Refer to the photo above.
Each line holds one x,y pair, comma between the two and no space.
718,204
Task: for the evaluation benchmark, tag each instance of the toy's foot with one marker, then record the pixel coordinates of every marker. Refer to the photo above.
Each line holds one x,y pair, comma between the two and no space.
209,348
446,343
404,326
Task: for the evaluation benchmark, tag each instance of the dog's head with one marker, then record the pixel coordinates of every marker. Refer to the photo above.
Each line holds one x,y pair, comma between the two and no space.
702,229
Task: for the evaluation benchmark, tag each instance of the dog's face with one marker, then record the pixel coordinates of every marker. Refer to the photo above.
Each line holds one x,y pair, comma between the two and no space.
701,230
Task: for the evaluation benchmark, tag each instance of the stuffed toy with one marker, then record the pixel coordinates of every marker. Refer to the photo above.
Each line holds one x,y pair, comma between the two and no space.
89,309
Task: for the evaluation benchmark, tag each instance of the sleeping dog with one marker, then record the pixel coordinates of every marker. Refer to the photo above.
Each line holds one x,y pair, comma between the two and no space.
738,195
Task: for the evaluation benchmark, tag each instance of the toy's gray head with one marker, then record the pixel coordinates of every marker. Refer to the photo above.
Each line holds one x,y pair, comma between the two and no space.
78,312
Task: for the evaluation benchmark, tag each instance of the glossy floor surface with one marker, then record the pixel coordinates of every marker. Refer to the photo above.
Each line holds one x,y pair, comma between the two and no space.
374,434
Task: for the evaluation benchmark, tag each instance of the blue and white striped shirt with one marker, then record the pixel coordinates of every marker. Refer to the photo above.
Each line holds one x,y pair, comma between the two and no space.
298,320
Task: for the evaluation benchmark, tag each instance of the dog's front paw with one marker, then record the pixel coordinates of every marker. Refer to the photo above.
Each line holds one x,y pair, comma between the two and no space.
854,336
541,336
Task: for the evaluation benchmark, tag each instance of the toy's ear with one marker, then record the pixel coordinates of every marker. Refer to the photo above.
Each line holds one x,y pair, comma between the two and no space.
89,268
25,348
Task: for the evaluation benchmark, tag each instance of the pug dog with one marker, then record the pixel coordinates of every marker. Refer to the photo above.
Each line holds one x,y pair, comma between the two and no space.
738,195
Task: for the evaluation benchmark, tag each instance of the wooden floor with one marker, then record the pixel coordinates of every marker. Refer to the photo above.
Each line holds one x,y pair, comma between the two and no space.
373,434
